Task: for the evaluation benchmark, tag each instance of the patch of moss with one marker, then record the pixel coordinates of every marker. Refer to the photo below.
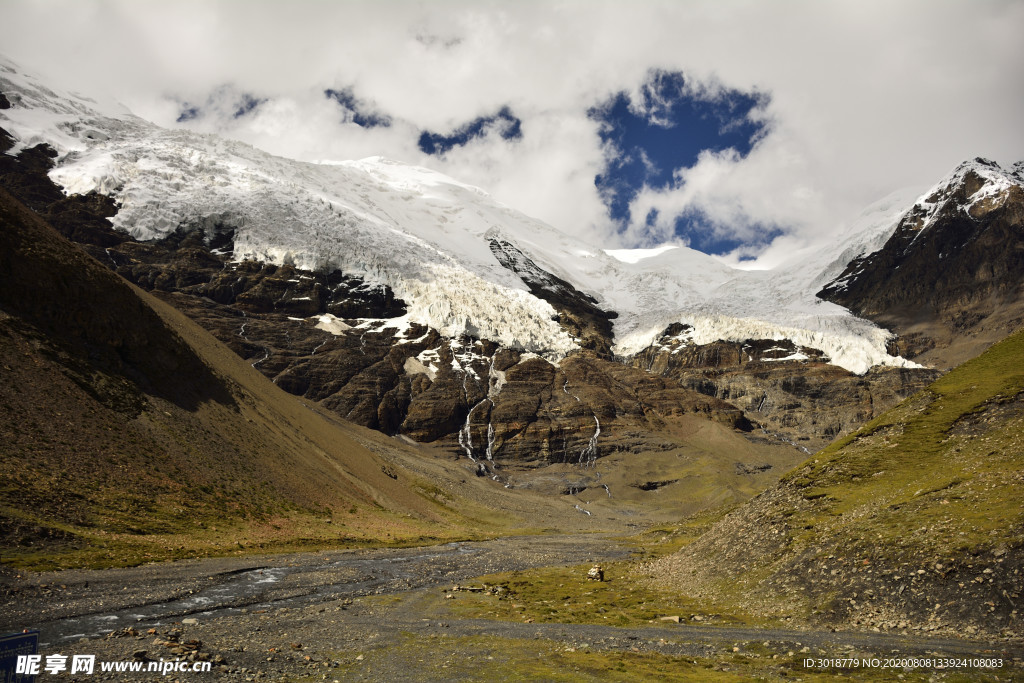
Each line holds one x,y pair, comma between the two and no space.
920,463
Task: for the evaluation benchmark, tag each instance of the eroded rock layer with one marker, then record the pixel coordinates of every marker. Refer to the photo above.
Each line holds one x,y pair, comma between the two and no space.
791,393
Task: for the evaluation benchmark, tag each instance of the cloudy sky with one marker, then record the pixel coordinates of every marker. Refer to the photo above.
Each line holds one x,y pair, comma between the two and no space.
739,128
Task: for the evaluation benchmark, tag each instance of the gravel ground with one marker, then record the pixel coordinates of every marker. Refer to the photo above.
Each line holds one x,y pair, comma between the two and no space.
379,615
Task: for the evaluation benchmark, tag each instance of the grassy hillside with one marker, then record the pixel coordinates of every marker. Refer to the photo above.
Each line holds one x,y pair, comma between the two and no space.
129,434
913,523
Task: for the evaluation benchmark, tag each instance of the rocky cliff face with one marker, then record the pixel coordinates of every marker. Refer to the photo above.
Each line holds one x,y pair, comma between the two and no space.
790,392
949,280
495,405
578,312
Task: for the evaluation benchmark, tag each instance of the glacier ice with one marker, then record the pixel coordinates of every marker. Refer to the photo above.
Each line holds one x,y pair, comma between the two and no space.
426,236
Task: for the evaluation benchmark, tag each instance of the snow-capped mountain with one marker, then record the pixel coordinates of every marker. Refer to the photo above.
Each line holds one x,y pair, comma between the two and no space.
972,190
409,302
948,276
429,238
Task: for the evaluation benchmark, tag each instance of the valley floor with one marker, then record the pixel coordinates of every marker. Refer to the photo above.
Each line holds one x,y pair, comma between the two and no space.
394,614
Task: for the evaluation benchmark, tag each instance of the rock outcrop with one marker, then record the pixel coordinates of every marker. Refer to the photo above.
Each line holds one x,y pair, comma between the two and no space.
791,393
578,312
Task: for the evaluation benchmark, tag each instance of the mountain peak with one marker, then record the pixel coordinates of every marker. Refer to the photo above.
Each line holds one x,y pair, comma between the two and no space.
949,266
974,186
987,170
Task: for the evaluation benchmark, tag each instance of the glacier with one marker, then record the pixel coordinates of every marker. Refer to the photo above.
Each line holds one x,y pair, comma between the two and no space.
426,236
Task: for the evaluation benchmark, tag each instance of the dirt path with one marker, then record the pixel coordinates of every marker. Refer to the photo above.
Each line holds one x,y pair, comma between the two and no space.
381,615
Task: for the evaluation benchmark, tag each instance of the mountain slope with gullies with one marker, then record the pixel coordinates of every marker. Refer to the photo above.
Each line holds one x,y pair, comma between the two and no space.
130,434
911,524
344,337
416,305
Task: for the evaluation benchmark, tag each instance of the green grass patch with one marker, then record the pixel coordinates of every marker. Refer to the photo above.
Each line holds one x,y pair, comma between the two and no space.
943,461
564,595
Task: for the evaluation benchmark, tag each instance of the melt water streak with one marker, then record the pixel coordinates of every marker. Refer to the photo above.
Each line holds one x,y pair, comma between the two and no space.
266,355
490,440
590,452
466,437
320,345
565,388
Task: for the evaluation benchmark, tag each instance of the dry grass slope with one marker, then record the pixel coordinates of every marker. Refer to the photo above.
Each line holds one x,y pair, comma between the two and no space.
129,434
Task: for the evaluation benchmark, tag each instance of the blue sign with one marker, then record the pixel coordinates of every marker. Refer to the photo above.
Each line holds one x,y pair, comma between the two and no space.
10,647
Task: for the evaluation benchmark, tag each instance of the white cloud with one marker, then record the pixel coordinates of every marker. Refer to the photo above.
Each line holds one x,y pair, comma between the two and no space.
866,95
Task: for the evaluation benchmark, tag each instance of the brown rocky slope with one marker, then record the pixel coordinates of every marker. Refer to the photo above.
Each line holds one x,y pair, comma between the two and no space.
122,421
913,523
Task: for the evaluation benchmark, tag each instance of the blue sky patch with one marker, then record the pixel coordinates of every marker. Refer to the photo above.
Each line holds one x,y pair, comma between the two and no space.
362,113
663,129
246,104
221,101
701,235
505,123
188,112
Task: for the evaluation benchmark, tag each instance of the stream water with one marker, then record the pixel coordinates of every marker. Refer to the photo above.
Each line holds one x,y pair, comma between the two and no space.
309,578
255,589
